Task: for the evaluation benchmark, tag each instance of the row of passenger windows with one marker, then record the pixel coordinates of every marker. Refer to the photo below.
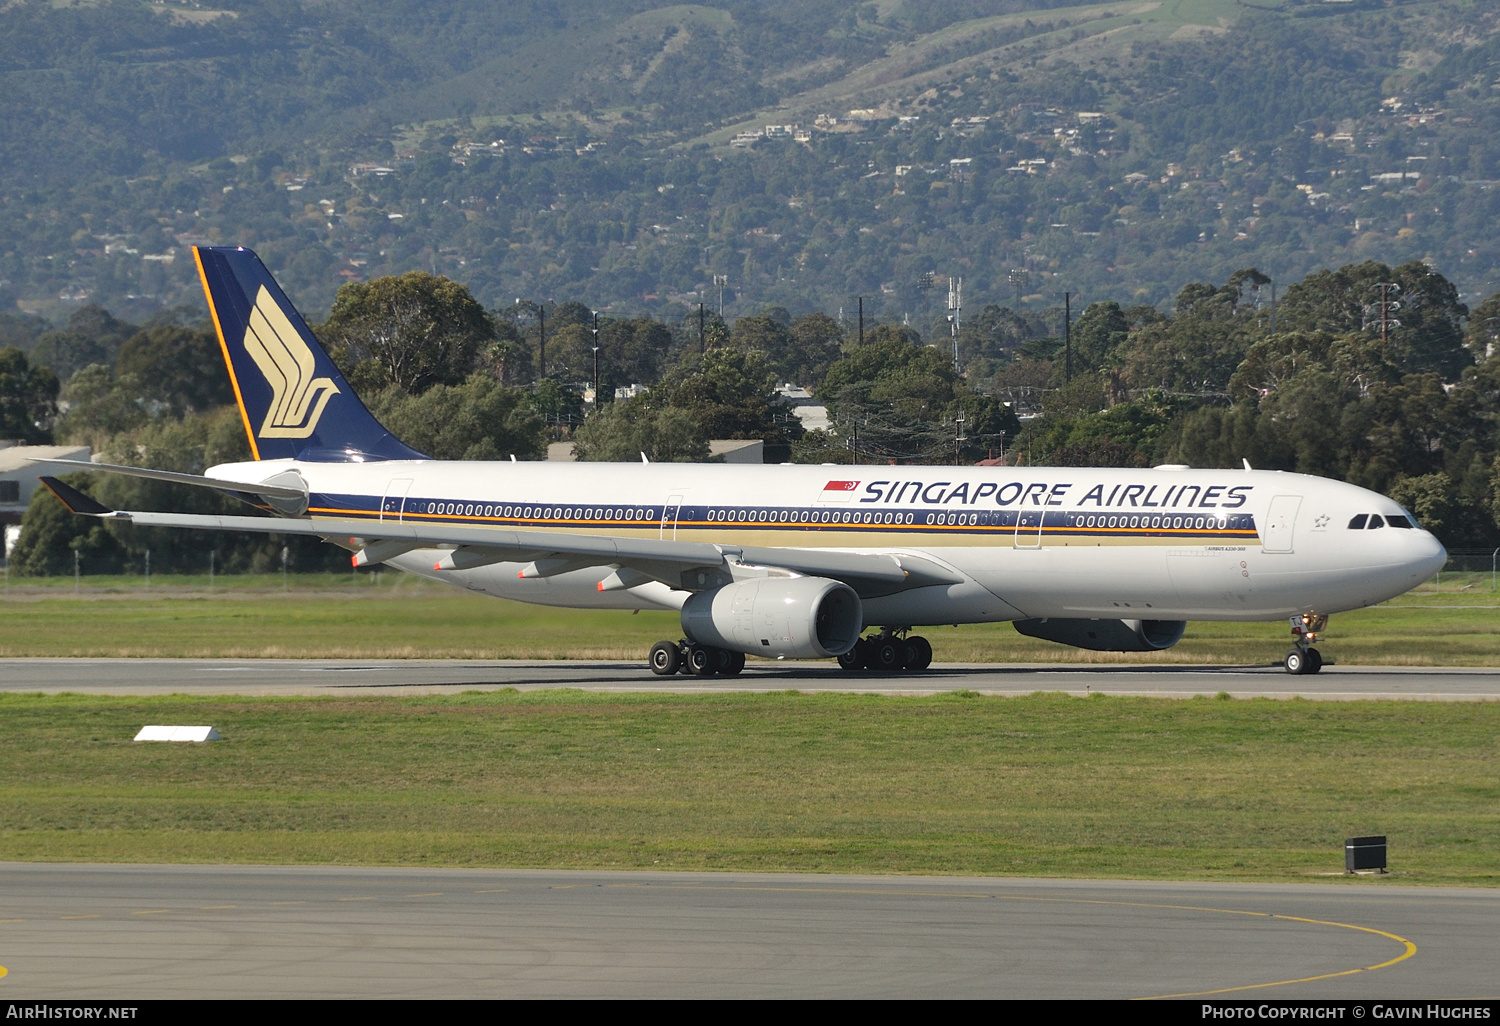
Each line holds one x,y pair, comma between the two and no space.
1163,523
459,509
773,516
1370,521
781,516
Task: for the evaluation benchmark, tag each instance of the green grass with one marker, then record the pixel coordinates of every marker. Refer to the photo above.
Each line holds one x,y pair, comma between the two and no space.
397,616
1041,785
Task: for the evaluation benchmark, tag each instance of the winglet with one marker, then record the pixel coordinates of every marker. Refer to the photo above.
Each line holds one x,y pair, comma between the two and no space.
74,500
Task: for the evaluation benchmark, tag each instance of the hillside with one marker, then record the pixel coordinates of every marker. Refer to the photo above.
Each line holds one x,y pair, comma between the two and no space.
583,150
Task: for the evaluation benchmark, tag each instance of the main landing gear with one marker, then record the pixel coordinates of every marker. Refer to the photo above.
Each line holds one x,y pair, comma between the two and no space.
890,652
1303,658
669,657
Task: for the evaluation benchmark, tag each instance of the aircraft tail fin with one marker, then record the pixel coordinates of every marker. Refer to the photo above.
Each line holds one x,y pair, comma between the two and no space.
294,402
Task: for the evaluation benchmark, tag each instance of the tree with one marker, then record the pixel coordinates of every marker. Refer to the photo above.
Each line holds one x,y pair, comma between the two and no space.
1097,334
92,335
903,401
100,406
1430,337
178,368
20,332
817,343
634,350
764,335
993,333
412,331
570,353
507,354
28,398
1483,332
479,419
730,393
67,352
621,432
1197,349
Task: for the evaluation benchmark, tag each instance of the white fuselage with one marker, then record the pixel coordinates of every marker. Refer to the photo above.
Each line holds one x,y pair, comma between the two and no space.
1162,544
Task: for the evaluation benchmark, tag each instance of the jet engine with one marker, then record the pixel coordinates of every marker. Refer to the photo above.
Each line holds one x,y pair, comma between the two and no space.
778,617
1106,635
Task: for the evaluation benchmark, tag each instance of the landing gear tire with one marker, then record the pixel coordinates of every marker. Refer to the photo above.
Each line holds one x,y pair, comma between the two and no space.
1296,662
665,658
701,661
727,663
923,655
885,654
1314,660
910,654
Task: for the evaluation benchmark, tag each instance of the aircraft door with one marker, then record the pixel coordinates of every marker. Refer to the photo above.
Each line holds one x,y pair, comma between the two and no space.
1029,529
392,506
1282,517
669,517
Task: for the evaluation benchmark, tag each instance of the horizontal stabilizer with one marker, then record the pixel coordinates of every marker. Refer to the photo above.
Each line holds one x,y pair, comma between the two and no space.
198,480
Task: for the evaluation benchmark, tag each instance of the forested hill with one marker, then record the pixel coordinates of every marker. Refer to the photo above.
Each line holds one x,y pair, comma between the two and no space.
584,149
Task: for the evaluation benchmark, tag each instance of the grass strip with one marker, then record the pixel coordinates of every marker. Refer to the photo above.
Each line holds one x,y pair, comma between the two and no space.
395,616
957,783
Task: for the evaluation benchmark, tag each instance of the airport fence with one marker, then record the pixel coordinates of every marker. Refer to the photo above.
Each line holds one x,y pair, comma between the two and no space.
1468,570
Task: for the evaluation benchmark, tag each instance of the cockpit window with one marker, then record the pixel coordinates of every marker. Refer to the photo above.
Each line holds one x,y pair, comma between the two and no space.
1358,523
1399,521
1375,521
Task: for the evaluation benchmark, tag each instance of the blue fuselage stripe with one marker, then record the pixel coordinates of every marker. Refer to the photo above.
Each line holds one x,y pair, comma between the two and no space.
1199,525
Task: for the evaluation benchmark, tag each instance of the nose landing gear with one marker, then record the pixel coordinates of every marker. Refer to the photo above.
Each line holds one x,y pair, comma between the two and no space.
1303,658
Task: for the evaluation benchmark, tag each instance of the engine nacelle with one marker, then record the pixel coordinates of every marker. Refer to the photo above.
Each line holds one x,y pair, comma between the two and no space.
778,617
1106,635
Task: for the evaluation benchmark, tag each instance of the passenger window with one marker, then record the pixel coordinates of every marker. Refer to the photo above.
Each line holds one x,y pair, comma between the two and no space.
1399,522
1358,523
1375,521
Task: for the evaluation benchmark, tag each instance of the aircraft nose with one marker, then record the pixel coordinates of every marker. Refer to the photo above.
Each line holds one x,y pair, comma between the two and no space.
1428,555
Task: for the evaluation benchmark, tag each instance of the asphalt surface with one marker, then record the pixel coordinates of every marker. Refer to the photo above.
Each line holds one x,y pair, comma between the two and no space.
338,676
76,931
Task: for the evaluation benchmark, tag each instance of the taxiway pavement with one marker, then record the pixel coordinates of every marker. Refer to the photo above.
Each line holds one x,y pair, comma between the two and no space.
421,676
120,932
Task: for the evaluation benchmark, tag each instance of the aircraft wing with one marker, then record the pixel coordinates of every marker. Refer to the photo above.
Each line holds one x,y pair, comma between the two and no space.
688,566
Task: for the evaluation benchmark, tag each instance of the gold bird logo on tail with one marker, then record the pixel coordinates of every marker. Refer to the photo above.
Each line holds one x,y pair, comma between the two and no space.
297,398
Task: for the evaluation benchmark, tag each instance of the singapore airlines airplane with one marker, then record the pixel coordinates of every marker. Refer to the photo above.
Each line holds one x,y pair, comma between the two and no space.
789,562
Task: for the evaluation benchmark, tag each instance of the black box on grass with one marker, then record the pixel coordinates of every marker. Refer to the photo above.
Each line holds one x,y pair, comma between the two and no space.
1364,853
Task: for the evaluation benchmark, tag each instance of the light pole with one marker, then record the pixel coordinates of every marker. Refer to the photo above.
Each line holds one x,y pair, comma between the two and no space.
596,360
955,310
1386,306
1067,338
541,320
